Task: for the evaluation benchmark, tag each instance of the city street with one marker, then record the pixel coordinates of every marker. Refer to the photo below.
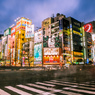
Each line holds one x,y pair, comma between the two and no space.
75,80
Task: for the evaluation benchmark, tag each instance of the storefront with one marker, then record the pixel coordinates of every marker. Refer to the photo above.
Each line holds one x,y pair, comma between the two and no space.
52,56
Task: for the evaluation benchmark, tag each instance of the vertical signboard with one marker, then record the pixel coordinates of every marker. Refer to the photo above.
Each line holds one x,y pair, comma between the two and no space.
29,31
38,37
38,54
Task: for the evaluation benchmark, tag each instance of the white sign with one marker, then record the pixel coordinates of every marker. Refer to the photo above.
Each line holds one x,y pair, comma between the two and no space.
38,37
51,51
93,37
29,31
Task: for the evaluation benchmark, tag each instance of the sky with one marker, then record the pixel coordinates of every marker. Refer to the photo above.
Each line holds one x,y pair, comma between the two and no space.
38,10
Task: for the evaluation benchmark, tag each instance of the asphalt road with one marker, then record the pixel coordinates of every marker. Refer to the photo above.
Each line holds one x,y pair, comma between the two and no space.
80,74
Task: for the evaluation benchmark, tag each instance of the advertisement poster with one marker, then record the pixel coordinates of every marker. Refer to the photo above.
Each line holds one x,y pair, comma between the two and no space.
29,31
38,37
38,54
51,51
88,28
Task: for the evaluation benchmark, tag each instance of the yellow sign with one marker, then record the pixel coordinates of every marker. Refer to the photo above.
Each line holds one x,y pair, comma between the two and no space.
78,53
46,22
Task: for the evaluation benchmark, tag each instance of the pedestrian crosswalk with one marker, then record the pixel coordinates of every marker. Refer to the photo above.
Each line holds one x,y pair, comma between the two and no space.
52,87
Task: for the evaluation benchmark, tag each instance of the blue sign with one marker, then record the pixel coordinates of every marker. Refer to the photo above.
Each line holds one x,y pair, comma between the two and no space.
87,61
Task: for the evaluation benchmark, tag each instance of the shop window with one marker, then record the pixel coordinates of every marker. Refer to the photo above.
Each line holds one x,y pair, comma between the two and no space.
22,34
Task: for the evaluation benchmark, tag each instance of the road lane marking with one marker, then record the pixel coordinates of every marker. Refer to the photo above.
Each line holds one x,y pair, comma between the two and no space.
17,90
35,90
78,90
2,92
45,84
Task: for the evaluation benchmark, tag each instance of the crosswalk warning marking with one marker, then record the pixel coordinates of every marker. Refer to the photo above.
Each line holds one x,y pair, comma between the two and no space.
78,90
2,92
33,89
17,90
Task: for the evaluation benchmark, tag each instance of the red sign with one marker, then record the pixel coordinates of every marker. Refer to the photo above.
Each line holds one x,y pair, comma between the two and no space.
88,27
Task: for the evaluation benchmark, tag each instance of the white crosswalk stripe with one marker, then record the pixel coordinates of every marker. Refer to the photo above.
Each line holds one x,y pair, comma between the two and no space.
79,90
45,84
63,92
71,84
35,90
17,90
46,88
49,88
2,92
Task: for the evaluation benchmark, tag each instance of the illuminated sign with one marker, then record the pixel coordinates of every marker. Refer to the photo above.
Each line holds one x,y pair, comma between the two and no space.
78,33
51,51
13,29
38,37
4,40
78,53
38,53
7,32
51,42
88,27
29,31
93,37
61,33
67,48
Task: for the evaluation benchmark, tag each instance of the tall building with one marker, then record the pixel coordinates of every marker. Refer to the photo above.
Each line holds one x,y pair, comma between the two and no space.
56,44
22,35
6,47
76,37
13,31
89,31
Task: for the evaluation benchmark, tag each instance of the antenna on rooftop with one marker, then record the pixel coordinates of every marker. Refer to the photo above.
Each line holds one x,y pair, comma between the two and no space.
52,15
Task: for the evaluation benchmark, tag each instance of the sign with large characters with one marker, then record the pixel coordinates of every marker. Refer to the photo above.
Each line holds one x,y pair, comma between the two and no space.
46,22
22,23
29,31
7,32
38,54
88,28
38,37
4,40
51,51
9,44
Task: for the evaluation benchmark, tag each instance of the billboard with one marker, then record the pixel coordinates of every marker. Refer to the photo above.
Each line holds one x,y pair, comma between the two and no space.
9,44
31,47
38,37
93,37
29,31
38,54
13,29
46,22
4,40
88,28
51,51
7,32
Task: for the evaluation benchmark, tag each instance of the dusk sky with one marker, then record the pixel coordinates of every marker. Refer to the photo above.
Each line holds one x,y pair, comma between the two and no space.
38,10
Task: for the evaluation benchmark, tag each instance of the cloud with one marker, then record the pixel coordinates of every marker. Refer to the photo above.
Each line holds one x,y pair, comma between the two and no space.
36,10
39,12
